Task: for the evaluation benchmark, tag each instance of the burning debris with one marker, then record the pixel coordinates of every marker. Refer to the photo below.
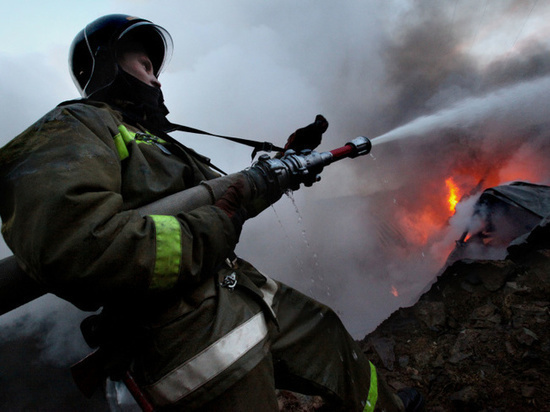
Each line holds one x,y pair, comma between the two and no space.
502,214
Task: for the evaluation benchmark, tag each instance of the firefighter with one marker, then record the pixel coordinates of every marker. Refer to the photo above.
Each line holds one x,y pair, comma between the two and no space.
197,327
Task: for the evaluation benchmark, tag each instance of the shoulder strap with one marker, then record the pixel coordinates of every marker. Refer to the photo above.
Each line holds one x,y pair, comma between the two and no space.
163,133
165,136
258,146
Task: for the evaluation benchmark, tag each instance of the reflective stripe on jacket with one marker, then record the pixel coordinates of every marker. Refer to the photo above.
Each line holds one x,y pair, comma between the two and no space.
372,397
219,358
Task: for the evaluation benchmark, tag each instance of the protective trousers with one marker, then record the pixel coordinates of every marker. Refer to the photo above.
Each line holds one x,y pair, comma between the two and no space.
311,353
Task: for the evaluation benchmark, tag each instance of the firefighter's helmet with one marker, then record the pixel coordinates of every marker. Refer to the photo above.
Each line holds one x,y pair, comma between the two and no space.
92,57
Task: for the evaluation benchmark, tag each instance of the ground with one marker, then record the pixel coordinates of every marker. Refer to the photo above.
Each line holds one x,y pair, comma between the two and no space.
478,340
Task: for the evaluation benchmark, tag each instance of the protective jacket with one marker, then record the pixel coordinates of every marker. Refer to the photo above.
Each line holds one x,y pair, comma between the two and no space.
70,185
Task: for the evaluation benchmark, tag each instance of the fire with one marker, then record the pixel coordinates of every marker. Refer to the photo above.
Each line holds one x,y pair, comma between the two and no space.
394,291
453,194
428,216
423,222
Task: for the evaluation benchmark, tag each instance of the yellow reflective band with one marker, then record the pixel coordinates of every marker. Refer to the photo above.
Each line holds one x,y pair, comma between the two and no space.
126,135
373,390
121,147
121,140
168,252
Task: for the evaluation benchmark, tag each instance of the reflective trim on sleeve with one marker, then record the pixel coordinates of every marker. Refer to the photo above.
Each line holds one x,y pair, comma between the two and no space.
168,252
373,390
209,363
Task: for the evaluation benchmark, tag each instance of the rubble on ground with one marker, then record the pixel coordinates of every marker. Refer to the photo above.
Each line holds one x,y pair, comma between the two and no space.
477,340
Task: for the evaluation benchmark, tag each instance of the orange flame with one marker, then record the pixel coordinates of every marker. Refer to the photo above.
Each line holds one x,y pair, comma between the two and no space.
453,194
394,291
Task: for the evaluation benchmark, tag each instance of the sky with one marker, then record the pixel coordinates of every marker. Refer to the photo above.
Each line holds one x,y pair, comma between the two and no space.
452,87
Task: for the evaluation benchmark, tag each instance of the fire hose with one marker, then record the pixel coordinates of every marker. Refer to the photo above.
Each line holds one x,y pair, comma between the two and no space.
288,172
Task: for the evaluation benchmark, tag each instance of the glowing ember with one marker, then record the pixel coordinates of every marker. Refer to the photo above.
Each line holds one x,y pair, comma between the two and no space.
453,194
394,291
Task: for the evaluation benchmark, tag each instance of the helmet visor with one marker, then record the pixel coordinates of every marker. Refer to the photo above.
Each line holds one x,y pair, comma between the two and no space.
156,41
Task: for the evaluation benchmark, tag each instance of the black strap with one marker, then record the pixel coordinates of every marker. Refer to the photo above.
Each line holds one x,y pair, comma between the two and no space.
258,146
165,136
163,133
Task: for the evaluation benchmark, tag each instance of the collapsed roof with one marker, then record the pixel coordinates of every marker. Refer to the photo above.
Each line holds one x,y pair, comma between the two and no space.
502,214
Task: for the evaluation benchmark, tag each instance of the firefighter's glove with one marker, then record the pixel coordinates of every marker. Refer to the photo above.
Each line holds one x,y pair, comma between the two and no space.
265,188
232,203
309,137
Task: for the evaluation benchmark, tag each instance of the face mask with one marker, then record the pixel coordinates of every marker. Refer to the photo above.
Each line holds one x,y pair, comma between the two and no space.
131,95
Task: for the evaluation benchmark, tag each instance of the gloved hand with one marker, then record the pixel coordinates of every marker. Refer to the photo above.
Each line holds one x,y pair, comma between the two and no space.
231,203
308,137
269,177
265,189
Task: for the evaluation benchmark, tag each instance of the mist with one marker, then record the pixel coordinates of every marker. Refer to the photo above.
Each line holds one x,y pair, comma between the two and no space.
444,89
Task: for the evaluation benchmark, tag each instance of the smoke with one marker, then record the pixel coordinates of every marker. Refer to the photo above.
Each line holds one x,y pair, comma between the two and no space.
55,321
457,89
444,107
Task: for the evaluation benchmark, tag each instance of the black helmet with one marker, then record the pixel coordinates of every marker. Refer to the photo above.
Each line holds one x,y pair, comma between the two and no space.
92,57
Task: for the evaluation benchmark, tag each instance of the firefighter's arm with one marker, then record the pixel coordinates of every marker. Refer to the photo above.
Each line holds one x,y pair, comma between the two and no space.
70,231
